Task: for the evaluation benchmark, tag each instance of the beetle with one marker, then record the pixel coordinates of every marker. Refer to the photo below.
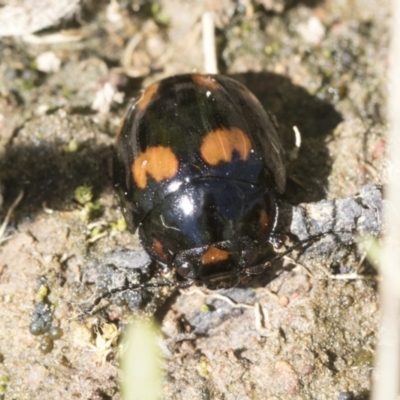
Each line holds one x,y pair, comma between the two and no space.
198,169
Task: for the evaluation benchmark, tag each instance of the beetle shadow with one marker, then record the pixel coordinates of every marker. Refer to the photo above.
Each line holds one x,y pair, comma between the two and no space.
307,175
49,176
38,159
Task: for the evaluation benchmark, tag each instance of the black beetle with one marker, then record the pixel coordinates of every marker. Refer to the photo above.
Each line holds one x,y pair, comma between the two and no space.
197,168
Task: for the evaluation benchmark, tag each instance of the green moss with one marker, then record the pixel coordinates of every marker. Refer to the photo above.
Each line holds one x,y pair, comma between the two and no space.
158,14
363,357
71,147
42,293
205,308
4,380
203,367
83,194
120,225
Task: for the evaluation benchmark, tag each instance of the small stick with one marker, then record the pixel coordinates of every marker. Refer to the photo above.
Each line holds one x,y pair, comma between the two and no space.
207,294
297,143
4,225
209,48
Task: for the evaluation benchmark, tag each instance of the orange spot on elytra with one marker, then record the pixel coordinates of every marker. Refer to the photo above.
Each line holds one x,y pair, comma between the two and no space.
263,222
218,145
159,249
213,255
205,80
158,162
147,96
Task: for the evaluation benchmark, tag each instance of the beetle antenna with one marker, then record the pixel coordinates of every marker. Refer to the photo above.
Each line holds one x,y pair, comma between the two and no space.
301,244
130,286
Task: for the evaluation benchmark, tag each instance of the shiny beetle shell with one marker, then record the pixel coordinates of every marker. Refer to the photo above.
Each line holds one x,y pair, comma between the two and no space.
197,168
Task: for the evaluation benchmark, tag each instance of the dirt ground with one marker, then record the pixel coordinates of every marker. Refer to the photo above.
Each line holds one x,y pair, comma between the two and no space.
319,65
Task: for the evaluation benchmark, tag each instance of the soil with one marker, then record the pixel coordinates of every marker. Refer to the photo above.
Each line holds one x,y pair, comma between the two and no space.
317,65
